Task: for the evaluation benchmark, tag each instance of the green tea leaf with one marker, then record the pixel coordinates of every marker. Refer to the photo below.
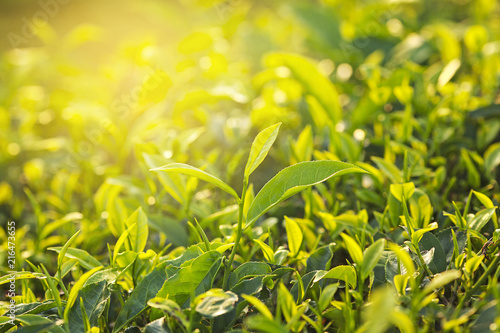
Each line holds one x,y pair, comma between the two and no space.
280,256
34,307
193,278
390,170
371,257
400,191
169,307
82,256
215,302
417,234
429,242
307,281
138,225
75,290
342,272
248,269
54,225
51,283
320,259
353,248
473,176
191,252
250,286
404,258
261,323
39,324
143,292
172,182
441,280
294,235
202,233
62,253
257,303
266,249
487,203
285,300
302,148
492,157
157,326
94,298
260,147
173,229
326,296
198,173
472,264
20,276
109,275
481,218
120,242
420,208
294,179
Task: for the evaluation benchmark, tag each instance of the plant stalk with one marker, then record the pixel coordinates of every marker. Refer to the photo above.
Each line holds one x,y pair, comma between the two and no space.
239,232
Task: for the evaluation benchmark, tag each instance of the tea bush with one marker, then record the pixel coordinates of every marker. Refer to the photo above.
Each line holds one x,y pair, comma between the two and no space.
250,166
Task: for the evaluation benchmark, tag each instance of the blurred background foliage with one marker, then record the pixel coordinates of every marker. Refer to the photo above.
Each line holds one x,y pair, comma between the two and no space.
95,93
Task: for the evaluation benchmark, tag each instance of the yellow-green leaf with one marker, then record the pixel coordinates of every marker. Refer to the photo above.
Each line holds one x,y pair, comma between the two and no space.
294,179
371,256
294,235
76,288
268,252
441,280
400,191
138,235
198,173
342,272
260,147
257,303
353,248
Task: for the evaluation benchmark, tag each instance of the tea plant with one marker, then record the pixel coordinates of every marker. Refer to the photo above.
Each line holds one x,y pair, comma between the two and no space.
368,201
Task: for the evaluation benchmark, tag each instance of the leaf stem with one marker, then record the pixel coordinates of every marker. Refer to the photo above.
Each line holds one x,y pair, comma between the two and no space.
239,231
359,302
422,262
63,287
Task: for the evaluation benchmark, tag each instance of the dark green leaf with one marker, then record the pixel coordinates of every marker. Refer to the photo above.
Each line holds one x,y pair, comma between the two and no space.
193,278
137,302
28,320
341,272
438,262
486,319
34,308
47,327
94,298
248,270
320,259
